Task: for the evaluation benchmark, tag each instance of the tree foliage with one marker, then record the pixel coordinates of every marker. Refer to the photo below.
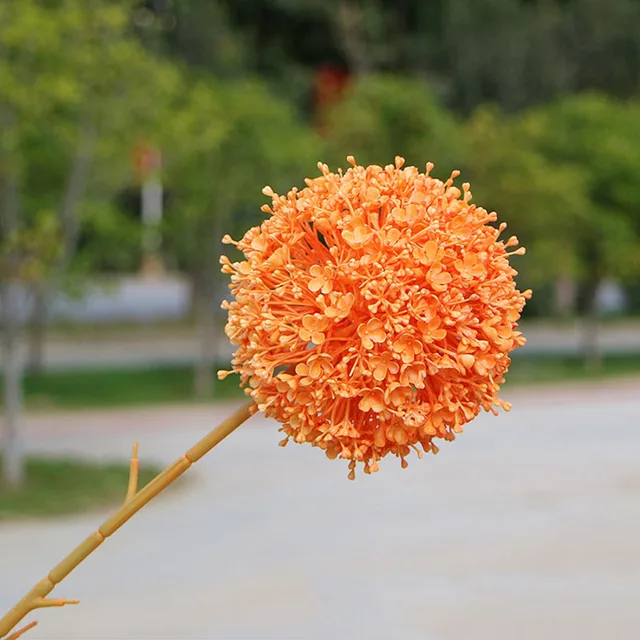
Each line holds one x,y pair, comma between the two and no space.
227,140
565,176
383,116
515,53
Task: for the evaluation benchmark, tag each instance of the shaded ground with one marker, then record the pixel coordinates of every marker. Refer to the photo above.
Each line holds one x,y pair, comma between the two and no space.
527,527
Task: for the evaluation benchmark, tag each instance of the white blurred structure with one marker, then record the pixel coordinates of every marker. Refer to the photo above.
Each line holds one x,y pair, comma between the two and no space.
129,299
611,298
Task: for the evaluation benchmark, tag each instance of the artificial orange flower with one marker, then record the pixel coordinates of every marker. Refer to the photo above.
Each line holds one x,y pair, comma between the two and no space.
374,312
371,333
312,327
322,278
382,365
337,305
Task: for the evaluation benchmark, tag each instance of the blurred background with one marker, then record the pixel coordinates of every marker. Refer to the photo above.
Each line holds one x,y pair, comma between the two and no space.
134,134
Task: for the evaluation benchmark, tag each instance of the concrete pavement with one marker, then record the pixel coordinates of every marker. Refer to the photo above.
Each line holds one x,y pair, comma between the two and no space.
527,527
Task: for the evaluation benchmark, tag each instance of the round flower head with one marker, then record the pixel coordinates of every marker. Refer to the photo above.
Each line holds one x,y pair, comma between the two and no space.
374,312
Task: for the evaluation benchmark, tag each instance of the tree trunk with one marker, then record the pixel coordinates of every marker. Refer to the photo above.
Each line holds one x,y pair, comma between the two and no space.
207,341
75,190
353,37
564,297
37,330
13,455
204,291
591,351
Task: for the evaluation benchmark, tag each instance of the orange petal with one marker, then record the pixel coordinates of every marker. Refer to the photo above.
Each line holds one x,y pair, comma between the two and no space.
259,243
373,194
315,370
467,360
431,250
393,235
380,372
327,286
470,259
317,338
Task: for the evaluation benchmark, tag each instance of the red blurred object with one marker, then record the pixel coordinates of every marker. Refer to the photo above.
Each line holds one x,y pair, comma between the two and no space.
329,87
146,160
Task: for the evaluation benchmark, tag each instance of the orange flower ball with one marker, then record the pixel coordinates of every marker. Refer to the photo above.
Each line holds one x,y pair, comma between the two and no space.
374,312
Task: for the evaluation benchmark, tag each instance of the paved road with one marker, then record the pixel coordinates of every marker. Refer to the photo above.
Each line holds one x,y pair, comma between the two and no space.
528,527
155,346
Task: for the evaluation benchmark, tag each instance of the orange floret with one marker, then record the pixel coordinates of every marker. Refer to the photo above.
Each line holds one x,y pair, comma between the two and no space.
374,312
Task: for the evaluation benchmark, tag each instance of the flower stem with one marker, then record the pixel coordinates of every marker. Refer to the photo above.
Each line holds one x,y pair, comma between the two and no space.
36,597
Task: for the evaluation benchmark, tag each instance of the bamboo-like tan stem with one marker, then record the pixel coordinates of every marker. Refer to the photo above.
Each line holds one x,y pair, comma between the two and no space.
36,597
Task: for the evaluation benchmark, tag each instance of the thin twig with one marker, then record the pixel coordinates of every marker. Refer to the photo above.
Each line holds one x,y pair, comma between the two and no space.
42,603
19,632
134,467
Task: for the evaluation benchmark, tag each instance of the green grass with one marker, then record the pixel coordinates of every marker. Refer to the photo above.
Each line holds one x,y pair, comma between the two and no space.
56,487
129,387
535,369
120,387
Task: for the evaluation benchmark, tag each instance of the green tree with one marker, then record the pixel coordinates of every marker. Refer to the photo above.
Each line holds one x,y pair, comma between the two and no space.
599,137
227,135
542,203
